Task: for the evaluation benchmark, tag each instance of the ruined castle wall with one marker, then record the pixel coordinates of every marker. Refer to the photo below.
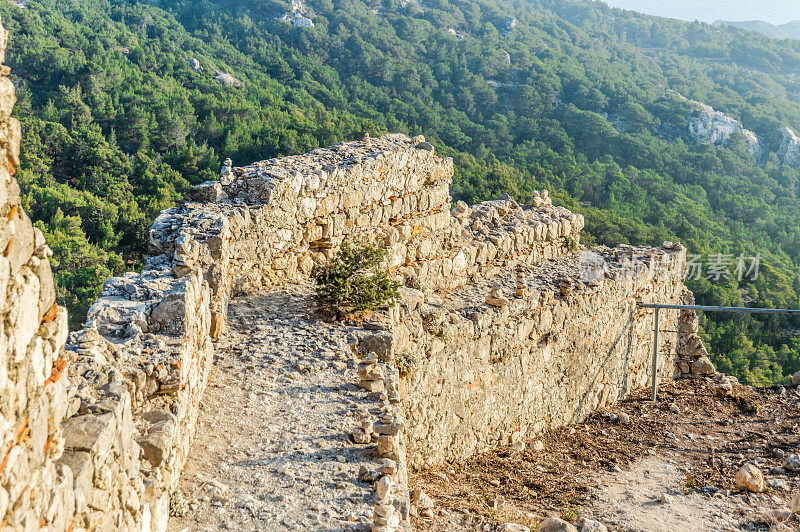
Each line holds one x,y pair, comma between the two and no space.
273,221
94,425
33,329
103,447
97,425
475,375
141,366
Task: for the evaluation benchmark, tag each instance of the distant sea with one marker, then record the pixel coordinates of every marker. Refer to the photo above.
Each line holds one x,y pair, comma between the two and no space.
772,11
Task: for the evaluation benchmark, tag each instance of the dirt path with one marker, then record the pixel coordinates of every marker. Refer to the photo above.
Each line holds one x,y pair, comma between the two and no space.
272,450
617,466
647,497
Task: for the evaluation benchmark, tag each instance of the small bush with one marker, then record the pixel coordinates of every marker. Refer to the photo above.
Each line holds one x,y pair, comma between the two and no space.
352,282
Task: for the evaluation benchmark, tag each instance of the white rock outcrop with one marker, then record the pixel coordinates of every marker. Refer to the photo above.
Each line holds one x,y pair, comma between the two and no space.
227,79
789,152
715,127
297,16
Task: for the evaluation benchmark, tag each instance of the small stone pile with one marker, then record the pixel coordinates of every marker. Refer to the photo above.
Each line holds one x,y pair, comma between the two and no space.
388,429
185,257
370,374
521,286
384,427
693,359
496,298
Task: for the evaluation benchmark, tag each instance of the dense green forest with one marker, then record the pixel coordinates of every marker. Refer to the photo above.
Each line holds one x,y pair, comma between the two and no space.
123,109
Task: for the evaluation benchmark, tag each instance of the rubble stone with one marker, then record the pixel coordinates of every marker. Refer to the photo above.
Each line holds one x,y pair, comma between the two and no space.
749,478
553,524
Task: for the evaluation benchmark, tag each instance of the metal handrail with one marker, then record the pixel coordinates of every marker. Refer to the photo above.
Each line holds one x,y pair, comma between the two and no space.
748,310
706,308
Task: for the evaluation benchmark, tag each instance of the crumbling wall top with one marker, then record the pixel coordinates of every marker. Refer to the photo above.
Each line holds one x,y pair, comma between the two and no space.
392,159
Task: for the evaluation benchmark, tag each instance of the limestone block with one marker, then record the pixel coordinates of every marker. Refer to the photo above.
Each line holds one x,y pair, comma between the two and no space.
11,132
157,444
113,315
553,524
81,466
703,366
389,446
208,191
47,292
91,433
749,478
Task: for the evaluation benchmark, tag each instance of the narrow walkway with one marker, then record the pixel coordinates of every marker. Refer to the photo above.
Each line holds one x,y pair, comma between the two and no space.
272,450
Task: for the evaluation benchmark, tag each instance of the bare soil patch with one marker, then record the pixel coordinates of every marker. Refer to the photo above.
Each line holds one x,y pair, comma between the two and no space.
702,436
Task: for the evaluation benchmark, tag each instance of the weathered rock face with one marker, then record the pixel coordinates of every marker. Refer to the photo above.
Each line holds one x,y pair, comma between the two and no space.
148,338
789,152
715,127
136,375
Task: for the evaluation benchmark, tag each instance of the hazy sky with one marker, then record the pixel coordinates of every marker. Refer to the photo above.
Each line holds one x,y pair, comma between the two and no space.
774,11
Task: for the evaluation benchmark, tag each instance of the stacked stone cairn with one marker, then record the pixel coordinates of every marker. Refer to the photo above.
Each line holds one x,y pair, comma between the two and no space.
384,428
521,290
370,374
693,359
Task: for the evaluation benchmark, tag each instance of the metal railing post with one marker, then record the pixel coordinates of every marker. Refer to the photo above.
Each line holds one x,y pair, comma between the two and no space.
655,353
659,306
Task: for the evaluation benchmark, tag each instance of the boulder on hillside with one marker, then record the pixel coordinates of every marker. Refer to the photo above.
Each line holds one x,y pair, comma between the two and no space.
227,79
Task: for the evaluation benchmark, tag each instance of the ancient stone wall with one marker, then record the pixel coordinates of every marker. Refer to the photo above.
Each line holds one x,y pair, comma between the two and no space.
271,222
94,426
103,447
33,390
497,335
139,370
530,350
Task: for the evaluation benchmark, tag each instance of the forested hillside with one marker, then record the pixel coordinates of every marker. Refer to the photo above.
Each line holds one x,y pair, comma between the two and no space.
125,104
790,30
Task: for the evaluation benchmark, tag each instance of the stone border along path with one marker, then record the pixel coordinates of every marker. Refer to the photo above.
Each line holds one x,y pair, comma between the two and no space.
273,448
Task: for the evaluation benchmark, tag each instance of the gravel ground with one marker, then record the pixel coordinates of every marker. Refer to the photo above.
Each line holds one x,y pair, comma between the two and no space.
272,449
617,467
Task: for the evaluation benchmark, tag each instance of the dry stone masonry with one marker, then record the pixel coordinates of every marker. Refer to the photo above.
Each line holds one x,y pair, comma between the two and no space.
506,358
271,222
505,328
33,388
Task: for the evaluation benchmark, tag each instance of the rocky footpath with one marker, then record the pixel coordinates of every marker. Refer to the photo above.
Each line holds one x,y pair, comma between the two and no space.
275,447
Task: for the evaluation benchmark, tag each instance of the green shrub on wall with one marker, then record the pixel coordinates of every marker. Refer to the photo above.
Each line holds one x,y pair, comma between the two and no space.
353,281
